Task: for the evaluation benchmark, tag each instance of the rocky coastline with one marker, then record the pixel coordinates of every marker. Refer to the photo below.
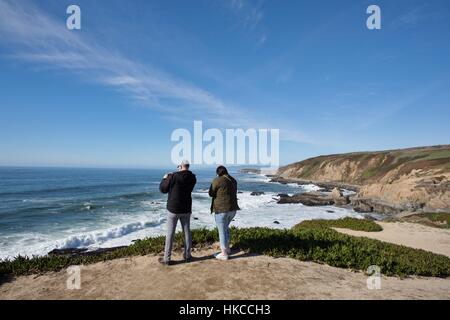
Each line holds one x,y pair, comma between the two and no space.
324,197
393,182
326,186
396,183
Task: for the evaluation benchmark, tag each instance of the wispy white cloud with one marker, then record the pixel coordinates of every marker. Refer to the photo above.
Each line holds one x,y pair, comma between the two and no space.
394,106
418,15
411,17
250,11
250,14
237,4
37,38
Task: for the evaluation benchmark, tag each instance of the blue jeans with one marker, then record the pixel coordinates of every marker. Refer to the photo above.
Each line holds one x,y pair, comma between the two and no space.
223,220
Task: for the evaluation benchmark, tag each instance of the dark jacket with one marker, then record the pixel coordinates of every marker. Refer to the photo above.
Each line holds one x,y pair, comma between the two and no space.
179,185
223,191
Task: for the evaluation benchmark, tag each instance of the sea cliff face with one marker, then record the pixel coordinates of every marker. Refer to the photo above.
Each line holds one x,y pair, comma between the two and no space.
396,181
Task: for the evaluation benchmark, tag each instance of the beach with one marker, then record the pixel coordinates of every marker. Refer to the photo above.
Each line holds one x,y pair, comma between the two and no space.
244,277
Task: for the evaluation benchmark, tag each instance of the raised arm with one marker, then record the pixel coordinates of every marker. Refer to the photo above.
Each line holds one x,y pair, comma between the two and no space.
164,186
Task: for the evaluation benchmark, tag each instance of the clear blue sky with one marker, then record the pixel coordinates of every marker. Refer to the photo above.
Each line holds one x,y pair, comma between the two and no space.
111,94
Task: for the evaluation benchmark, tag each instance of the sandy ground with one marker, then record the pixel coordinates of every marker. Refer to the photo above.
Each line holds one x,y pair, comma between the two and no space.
411,235
243,277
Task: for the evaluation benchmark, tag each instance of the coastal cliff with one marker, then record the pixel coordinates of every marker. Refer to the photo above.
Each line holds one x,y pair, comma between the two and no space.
395,181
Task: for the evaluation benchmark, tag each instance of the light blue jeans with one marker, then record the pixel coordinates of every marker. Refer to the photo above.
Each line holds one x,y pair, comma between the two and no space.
223,220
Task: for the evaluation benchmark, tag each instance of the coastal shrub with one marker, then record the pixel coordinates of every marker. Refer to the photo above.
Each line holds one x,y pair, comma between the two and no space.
306,242
345,223
442,217
431,219
325,245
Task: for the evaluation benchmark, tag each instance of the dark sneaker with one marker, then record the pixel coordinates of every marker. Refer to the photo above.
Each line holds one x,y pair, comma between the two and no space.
164,262
188,259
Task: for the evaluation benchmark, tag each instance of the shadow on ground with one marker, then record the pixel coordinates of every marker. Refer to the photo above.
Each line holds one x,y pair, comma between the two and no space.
6,278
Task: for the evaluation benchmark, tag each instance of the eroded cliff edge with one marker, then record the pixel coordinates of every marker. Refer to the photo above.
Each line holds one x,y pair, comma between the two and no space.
394,181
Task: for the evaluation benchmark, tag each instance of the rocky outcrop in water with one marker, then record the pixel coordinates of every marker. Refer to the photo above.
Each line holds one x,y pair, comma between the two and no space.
338,197
308,199
250,170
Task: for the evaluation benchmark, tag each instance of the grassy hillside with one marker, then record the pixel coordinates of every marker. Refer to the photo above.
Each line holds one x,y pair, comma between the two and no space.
364,168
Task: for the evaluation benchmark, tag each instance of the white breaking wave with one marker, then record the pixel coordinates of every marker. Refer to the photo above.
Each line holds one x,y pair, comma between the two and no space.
346,192
255,177
310,187
98,238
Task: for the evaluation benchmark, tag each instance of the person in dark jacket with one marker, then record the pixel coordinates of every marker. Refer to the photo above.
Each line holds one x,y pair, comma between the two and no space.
179,186
224,205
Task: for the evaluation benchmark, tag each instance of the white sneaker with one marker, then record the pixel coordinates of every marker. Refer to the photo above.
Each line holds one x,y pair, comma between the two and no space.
221,256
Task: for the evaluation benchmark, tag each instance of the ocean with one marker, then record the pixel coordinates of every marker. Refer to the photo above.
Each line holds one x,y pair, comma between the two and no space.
42,209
